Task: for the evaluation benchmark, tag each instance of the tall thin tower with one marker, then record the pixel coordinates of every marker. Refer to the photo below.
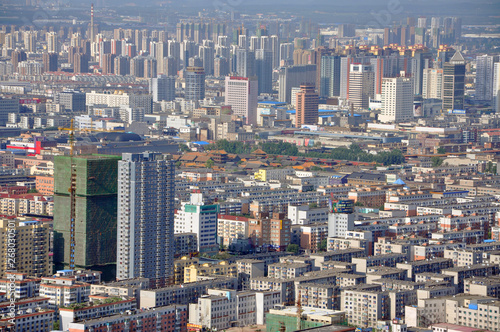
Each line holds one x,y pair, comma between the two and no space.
91,23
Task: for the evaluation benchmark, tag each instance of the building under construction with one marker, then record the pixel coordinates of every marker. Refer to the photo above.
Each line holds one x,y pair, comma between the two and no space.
296,318
95,210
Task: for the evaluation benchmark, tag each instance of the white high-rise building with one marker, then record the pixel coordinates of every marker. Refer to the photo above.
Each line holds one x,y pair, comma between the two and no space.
432,83
340,223
241,94
361,85
146,191
52,46
397,99
162,88
496,87
484,77
196,217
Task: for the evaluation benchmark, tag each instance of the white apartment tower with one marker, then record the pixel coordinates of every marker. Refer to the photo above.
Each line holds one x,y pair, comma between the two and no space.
484,76
397,99
146,184
241,94
196,217
432,83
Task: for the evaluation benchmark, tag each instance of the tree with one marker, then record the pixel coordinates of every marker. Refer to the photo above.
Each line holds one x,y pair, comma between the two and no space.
441,150
358,204
184,148
316,169
210,163
313,205
178,164
294,248
322,245
436,161
32,191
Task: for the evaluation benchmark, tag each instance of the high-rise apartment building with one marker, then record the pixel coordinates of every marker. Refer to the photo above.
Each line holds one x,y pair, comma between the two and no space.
432,83
454,83
31,242
307,106
245,63
397,99
52,44
496,87
72,100
95,211
361,85
195,83
49,61
241,94
484,77
196,217
146,184
162,88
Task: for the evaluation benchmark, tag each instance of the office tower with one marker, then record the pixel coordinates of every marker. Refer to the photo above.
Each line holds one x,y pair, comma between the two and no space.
432,84
422,22
146,196
121,65
221,66
196,217
245,63
330,76
361,85
80,63
453,83
195,83
30,41
264,70
307,106
95,211
294,76
496,87
397,99
435,37
484,77
162,88
72,100
49,61
52,44
241,94
32,238
346,30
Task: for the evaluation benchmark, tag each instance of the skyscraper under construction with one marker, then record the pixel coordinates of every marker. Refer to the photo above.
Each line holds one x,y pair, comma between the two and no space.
95,211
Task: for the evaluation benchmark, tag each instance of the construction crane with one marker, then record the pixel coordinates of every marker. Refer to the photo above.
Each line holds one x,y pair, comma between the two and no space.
72,195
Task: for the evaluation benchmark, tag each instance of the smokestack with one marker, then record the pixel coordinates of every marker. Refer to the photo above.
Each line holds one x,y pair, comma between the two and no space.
91,23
